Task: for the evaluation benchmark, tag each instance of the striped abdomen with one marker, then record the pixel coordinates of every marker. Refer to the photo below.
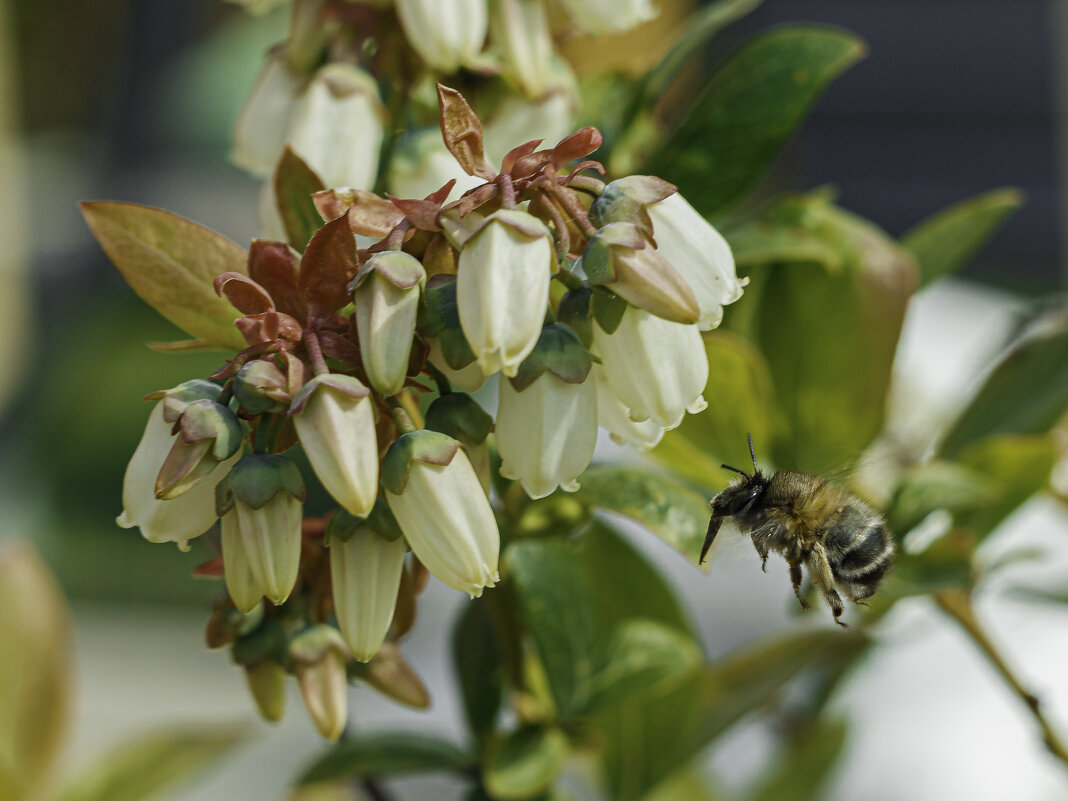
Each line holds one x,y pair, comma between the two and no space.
860,550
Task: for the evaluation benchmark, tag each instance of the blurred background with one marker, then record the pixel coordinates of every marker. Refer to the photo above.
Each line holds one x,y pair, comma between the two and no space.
136,101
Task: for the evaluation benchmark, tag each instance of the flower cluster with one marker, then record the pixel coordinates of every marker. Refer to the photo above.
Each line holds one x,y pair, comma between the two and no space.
577,303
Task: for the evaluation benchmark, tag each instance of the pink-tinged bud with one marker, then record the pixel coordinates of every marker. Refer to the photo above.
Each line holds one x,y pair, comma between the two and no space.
260,503
447,34
609,16
656,368
261,129
386,296
366,560
446,517
319,656
502,288
335,423
547,415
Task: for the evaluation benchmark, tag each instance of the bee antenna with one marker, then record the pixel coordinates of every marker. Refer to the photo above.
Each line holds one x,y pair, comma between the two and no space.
735,469
752,453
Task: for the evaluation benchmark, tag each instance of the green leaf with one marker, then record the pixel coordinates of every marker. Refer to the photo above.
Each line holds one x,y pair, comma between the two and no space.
152,763
747,111
1026,393
802,770
686,784
477,657
946,564
652,734
944,242
1039,595
672,511
555,600
386,754
829,335
171,262
524,763
740,382
294,184
935,485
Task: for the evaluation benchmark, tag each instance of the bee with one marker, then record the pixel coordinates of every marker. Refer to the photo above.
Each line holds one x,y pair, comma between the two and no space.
842,541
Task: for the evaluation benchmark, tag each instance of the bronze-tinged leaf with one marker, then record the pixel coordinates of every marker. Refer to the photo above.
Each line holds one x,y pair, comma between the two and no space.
441,195
247,296
170,262
369,214
516,153
423,214
462,131
295,187
327,266
274,266
577,145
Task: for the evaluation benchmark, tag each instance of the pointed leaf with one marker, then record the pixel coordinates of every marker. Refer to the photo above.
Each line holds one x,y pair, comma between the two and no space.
386,754
170,262
274,266
943,243
476,656
462,131
295,185
327,266
748,110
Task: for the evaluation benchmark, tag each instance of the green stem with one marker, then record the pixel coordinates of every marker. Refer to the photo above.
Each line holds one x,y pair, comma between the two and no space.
958,605
400,415
440,379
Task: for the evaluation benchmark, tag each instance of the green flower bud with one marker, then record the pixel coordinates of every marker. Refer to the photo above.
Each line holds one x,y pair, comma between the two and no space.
208,433
261,388
319,656
267,684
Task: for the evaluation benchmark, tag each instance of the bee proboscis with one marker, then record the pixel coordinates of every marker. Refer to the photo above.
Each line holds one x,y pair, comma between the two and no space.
842,541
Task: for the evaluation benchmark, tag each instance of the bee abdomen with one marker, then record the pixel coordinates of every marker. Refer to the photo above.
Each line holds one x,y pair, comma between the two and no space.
861,565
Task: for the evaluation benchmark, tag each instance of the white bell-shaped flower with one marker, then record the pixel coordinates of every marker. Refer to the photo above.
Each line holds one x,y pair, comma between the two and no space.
521,33
502,288
614,417
547,415
447,34
337,126
261,129
366,560
386,297
440,506
421,164
609,16
657,369
334,419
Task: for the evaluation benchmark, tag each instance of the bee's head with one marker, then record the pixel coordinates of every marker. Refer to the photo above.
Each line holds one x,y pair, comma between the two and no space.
740,495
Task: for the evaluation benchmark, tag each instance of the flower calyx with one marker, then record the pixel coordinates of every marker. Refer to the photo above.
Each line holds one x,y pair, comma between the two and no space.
207,433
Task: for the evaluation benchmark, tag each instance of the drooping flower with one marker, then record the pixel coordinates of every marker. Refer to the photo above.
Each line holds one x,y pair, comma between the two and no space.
502,288
260,503
447,34
547,415
521,33
609,16
319,655
335,423
445,515
260,133
614,417
657,369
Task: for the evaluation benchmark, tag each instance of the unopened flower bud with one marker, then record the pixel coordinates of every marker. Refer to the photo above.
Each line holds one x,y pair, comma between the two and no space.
366,560
208,434
620,258
335,423
521,33
547,415
441,508
261,388
656,368
319,656
260,503
459,416
261,129
502,288
609,16
337,126
447,34
386,297
267,684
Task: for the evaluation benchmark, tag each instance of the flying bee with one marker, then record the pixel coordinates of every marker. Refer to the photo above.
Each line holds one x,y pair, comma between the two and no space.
842,541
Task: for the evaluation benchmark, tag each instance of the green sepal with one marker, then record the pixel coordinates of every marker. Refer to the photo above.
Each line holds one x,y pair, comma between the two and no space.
267,641
343,525
261,388
597,257
207,419
177,398
575,310
401,269
608,310
347,384
257,478
459,416
429,447
315,642
439,318
626,199
560,352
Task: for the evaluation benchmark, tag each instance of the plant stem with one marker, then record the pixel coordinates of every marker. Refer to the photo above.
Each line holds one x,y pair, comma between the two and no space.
958,605
401,415
507,190
315,352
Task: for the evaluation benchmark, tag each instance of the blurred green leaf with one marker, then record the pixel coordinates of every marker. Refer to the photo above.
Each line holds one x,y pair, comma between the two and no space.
1041,595
748,109
638,655
152,763
801,772
294,184
35,670
767,242
944,242
685,784
624,584
829,335
477,658
1016,467
652,734
1026,393
171,262
386,754
935,485
557,607
673,512
741,400
524,763
945,564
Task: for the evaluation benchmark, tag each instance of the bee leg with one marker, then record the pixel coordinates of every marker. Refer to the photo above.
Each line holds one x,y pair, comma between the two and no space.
795,579
820,571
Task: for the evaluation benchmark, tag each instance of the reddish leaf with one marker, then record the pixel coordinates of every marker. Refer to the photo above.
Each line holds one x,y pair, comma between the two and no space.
462,131
295,185
531,164
274,266
517,153
326,267
423,214
338,347
582,166
475,198
244,294
369,214
442,194
580,143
